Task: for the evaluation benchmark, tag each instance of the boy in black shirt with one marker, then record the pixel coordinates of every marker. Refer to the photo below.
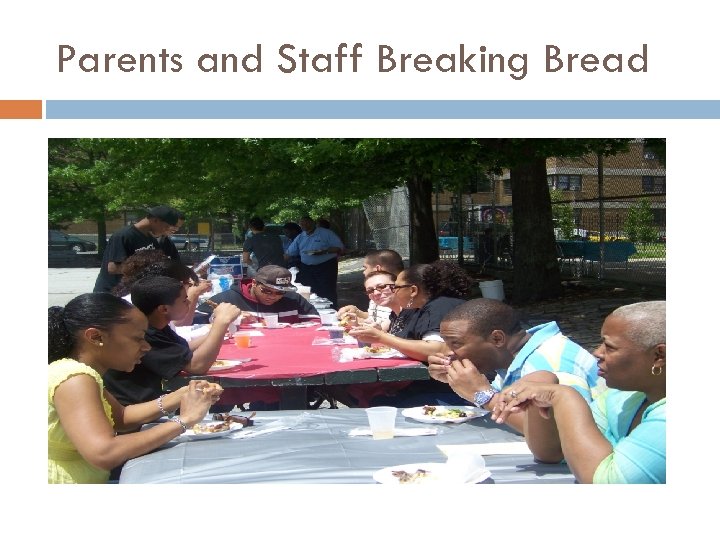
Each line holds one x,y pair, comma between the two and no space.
163,299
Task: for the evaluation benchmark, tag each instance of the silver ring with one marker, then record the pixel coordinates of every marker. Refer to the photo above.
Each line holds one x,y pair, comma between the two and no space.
513,394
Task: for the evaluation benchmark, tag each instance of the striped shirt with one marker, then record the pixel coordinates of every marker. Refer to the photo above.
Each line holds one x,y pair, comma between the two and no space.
638,457
549,350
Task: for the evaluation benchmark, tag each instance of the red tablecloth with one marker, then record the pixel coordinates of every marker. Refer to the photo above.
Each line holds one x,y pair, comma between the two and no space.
289,352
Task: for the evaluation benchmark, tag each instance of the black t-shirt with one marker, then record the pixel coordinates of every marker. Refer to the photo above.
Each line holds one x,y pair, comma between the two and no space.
288,308
267,248
169,355
121,245
415,323
169,248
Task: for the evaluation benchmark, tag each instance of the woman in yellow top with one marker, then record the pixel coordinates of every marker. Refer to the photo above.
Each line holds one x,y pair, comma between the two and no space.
91,334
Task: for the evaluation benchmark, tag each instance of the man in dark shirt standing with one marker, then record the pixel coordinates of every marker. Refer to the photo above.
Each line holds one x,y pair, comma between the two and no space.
165,241
266,248
163,299
123,243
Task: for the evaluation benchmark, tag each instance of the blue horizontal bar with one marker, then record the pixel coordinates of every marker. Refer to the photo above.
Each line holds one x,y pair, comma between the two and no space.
382,109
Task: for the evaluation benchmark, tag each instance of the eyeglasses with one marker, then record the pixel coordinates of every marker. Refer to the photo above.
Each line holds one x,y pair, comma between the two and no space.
380,287
271,292
394,288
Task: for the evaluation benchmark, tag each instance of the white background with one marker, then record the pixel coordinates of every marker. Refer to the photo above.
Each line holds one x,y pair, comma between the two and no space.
682,62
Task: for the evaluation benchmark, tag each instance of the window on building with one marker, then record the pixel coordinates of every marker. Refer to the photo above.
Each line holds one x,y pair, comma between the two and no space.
565,182
507,187
653,184
480,183
658,216
649,155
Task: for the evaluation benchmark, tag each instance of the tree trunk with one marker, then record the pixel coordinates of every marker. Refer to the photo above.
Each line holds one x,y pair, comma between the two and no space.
423,240
536,273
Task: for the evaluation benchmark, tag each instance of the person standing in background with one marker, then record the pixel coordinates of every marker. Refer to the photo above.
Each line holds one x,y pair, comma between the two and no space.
291,230
166,244
266,248
144,234
318,250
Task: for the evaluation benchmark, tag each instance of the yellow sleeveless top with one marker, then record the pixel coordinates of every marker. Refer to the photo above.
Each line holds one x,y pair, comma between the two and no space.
65,464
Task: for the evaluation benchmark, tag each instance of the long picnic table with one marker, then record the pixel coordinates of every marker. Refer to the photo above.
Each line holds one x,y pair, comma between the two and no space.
318,447
286,359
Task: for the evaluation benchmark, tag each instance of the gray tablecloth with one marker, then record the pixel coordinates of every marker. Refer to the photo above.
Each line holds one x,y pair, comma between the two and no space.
314,448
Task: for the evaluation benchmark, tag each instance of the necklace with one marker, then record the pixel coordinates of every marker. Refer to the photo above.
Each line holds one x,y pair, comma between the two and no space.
397,325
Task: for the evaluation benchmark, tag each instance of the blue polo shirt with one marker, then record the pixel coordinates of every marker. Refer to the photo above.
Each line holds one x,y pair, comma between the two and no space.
319,239
549,350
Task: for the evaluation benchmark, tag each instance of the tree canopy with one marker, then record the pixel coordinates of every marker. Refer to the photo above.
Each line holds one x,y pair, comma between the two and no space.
283,179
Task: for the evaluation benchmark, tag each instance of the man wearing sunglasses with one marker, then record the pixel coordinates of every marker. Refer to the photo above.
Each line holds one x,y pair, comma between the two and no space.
269,292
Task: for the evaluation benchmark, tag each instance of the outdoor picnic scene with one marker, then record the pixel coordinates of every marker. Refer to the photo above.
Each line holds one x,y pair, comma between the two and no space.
356,311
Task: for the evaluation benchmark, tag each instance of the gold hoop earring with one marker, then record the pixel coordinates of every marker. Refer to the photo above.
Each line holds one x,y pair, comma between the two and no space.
658,372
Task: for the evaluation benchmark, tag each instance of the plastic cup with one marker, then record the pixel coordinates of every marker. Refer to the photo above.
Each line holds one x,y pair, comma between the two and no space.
382,422
328,317
242,340
336,332
304,291
271,321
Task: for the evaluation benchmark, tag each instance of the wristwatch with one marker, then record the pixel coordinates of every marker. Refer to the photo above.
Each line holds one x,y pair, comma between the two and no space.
483,396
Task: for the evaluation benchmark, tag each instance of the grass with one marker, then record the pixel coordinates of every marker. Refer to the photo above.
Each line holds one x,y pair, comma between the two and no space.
649,251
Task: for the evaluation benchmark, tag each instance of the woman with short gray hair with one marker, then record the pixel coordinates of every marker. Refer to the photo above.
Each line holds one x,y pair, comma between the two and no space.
620,437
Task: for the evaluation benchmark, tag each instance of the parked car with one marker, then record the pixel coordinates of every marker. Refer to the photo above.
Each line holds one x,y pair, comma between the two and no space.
58,240
190,242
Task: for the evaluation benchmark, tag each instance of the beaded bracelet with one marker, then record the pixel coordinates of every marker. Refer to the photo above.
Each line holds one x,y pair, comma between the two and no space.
182,424
162,409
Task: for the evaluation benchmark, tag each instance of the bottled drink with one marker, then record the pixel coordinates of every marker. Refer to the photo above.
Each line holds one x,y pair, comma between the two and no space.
202,268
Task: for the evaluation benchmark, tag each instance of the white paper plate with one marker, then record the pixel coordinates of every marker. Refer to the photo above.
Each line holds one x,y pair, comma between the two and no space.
192,436
436,470
222,365
416,413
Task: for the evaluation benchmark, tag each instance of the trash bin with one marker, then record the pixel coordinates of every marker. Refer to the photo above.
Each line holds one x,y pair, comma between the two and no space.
492,289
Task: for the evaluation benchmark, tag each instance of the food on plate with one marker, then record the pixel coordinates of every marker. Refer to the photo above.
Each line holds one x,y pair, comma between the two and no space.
377,349
217,364
405,477
211,428
229,418
439,412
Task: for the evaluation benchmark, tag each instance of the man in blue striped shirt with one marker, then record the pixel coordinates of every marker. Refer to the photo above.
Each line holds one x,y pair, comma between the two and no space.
485,335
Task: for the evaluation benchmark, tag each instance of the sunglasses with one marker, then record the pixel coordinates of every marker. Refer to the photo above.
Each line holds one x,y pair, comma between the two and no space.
271,292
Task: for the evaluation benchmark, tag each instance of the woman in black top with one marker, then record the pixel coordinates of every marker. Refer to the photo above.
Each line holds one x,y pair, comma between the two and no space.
424,294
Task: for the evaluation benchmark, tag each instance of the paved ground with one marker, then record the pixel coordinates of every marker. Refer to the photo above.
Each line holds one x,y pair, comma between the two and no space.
579,312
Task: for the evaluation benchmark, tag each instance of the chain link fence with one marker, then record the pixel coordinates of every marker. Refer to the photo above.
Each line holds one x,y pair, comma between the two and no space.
389,219
608,212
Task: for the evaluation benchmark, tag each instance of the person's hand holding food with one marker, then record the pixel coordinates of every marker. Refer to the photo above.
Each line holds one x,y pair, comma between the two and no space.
196,402
225,313
465,379
438,366
353,310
